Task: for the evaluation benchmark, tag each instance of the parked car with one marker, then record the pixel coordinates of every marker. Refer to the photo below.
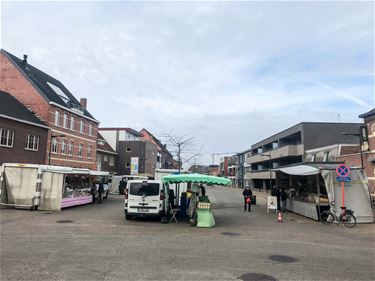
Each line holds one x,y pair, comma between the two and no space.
145,198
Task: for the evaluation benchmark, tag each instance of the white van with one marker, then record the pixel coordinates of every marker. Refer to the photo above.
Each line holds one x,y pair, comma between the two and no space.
145,198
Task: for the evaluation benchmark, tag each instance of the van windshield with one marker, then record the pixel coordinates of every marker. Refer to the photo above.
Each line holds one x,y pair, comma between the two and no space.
140,189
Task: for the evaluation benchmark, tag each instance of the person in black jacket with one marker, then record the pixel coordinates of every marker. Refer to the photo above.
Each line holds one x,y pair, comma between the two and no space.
283,197
247,198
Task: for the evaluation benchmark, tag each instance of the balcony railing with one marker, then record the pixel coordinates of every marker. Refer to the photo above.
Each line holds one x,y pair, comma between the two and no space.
283,151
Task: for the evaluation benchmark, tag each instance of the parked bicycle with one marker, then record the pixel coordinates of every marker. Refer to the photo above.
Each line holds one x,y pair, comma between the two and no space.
346,217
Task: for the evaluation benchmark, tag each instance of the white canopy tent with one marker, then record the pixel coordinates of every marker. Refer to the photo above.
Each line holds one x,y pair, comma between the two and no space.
357,195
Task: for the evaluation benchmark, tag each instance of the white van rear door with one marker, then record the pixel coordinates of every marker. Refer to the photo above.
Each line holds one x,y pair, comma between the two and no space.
144,197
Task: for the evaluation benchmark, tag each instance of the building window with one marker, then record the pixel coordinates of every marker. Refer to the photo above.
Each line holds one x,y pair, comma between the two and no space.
72,123
63,146
6,137
81,127
54,145
128,149
57,118
89,152
32,142
65,121
90,129
70,148
98,159
80,148
111,161
105,158
127,165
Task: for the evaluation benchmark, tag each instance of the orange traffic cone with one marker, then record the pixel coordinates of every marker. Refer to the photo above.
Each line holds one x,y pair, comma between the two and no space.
279,217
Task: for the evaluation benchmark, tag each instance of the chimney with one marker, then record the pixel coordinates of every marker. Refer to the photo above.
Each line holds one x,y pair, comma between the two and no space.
24,61
83,103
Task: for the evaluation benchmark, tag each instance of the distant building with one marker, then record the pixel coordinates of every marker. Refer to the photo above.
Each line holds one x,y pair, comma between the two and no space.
214,170
164,157
72,136
232,169
23,136
135,156
289,146
200,169
106,157
224,172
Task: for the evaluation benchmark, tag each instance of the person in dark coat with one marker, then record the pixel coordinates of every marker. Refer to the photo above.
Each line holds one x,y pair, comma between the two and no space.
122,186
283,197
278,196
100,191
247,198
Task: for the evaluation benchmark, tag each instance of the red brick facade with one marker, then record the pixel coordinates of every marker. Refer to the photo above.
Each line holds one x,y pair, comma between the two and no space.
354,158
13,81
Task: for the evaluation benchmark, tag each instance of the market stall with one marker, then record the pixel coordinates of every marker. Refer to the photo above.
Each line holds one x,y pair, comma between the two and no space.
46,187
201,202
311,186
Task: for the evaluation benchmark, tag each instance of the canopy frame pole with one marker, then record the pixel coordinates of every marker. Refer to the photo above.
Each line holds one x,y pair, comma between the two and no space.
318,191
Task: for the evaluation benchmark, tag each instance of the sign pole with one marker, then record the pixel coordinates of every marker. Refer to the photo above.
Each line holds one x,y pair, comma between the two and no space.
342,195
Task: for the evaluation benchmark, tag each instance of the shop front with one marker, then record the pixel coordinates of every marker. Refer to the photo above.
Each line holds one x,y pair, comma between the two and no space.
310,188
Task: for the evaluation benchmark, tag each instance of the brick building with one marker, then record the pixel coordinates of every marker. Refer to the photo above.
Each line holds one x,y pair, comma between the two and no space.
224,172
23,136
73,130
164,157
106,157
353,158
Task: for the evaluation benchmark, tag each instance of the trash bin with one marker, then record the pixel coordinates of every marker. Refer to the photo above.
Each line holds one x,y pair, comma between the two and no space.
253,200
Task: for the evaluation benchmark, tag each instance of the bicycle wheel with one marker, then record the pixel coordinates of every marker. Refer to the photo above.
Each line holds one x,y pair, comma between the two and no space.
349,221
327,217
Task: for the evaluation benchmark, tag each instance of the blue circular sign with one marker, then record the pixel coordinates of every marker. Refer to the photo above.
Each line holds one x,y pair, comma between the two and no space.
343,170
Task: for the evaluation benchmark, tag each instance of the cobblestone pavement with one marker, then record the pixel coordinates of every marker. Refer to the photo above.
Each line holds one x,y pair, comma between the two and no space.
95,242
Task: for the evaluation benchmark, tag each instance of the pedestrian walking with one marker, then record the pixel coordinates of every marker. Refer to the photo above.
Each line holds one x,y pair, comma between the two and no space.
93,191
278,197
100,191
283,197
247,198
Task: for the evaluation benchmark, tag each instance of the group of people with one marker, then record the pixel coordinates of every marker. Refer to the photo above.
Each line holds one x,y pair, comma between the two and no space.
280,193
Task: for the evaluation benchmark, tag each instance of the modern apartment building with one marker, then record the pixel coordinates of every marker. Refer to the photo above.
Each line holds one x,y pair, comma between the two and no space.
288,147
72,135
135,156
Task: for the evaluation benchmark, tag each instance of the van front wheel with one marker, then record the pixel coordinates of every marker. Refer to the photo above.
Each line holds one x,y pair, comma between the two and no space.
128,217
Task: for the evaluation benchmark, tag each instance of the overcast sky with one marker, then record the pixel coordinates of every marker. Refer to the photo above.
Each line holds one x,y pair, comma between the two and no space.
228,73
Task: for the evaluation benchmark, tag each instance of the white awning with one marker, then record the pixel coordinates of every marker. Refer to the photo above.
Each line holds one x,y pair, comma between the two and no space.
300,170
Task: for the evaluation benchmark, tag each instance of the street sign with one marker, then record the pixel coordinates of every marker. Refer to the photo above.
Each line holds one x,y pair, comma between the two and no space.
342,170
343,179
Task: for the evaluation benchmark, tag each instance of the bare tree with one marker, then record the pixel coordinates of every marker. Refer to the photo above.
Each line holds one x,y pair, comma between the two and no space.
184,148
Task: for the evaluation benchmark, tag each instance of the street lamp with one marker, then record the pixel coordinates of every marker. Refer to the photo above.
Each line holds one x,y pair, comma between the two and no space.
50,149
269,156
